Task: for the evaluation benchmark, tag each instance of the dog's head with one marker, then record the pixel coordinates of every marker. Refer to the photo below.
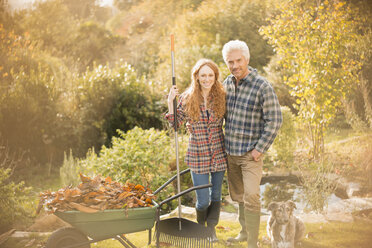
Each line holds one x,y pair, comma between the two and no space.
282,211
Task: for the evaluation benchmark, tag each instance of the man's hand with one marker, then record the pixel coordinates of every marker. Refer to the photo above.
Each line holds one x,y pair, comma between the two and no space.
256,155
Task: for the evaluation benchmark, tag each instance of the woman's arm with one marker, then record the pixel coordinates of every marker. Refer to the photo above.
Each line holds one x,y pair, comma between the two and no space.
181,115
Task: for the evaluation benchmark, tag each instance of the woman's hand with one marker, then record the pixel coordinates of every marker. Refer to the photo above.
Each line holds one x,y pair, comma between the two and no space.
173,92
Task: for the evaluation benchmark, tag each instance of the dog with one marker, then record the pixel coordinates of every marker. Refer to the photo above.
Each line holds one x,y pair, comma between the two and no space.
283,228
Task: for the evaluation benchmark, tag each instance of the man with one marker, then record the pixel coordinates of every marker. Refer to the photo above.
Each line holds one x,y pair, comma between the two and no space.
253,118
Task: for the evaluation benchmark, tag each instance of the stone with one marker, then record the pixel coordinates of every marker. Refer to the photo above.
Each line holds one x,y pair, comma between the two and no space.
339,217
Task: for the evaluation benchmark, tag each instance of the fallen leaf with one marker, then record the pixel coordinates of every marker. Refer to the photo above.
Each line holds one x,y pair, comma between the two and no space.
96,194
82,208
125,195
84,178
108,180
224,228
310,235
139,187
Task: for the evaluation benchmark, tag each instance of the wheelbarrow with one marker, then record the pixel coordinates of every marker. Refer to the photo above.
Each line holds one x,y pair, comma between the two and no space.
87,228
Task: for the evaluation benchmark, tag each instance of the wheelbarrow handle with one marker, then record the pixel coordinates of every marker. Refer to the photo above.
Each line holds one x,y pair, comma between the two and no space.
185,192
170,180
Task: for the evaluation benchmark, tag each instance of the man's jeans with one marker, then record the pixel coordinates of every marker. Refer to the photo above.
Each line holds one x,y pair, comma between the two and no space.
244,177
204,196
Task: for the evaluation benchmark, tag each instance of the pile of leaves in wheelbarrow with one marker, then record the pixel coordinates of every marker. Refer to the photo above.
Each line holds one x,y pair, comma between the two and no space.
96,194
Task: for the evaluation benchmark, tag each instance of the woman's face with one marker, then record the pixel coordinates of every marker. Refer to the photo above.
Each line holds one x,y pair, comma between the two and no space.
206,77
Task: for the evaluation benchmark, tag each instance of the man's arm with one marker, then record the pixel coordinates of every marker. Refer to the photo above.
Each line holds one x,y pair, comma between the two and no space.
272,117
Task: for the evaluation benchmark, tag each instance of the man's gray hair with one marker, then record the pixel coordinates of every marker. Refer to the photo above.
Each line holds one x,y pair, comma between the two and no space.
235,45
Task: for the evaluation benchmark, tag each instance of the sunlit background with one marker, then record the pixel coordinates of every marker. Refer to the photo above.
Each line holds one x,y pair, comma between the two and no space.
83,88
21,4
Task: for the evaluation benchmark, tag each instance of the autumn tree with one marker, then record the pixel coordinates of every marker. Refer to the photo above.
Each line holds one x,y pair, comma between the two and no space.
14,50
143,24
358,105
315,42
30,81
203,31
70,31
5,15
126,4
94,43
88,10
50,24
229,20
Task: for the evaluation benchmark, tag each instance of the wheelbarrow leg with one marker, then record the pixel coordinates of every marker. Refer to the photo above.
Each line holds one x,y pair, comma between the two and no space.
157,227
124,241
149,243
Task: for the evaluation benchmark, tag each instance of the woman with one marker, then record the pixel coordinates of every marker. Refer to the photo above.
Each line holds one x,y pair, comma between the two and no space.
202,106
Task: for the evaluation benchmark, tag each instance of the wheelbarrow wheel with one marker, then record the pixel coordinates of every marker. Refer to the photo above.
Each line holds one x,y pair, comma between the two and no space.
67,236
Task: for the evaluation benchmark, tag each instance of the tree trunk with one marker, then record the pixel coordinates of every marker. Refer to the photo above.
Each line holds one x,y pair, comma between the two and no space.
352,117
365,90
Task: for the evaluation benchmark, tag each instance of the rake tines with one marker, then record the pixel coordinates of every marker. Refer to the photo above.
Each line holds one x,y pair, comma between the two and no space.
191,234
184,242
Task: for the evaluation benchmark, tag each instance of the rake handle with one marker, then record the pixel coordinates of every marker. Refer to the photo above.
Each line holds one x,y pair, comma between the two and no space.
175,129
174,82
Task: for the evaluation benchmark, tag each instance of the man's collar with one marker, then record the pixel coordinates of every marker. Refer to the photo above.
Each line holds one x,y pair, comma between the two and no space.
251,75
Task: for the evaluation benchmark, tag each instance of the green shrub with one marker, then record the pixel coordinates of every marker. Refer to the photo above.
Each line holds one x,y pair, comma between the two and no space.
12,199
69,172
281,191
285,142
317,185
142,156
110,99
28,110
138,155
137,104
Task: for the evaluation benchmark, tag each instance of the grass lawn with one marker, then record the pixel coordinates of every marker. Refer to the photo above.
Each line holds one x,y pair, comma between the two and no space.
319,235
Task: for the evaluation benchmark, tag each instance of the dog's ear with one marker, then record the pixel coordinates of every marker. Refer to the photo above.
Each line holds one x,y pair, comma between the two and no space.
272,206
291,204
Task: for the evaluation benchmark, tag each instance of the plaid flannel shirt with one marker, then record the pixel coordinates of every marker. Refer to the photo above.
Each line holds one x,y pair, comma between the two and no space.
206,151
253,116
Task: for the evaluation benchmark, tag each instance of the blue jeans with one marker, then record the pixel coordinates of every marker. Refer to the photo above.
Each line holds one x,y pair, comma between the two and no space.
205,196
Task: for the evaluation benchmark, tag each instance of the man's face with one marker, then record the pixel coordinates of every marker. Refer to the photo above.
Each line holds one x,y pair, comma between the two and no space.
238,64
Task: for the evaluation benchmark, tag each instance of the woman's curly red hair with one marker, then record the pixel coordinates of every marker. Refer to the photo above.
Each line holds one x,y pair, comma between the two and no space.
193,95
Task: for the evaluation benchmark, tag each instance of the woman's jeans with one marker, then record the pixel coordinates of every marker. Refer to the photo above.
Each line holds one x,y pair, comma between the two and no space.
207,195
